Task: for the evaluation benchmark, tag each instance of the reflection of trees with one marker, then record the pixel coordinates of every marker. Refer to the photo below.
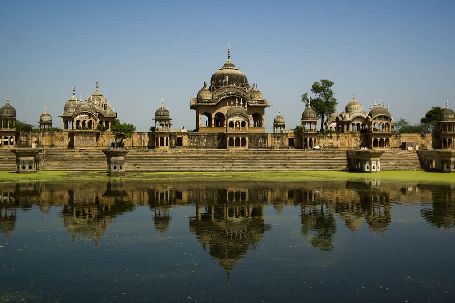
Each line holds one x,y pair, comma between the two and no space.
318,224
228,229
442,211
7,217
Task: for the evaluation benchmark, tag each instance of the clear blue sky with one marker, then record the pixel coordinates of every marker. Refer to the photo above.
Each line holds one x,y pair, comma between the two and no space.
401,52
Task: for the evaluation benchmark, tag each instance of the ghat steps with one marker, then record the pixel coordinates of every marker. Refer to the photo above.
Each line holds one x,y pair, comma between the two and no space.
211,160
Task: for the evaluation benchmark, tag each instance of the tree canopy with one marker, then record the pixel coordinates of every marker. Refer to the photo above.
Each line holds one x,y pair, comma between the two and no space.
122,131
403,126
431,117
23,126
322,100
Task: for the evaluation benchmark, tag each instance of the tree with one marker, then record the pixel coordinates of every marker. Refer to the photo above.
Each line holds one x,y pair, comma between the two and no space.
402,126
23,126
122,131
323,101
431,117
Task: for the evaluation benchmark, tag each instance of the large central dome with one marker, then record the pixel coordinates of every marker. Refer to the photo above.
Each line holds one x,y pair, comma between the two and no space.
228,74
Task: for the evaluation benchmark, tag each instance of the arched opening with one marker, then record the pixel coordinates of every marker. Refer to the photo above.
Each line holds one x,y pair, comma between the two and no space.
84,125
231,141
219,120
78,124
90,124
206,119
444,142
243,142
257,120
231,124
243,124
237,141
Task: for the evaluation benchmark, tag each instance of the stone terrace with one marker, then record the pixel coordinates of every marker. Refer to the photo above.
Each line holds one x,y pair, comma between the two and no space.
211,160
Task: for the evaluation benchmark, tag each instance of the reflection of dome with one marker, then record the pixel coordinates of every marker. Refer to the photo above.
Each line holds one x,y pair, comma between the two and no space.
236,111
228,74
353,106
379,110
7,111
204,94
45,118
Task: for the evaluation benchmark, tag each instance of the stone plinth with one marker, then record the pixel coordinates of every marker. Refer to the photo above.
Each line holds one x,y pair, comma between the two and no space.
27,159
115,160
364,160
437,160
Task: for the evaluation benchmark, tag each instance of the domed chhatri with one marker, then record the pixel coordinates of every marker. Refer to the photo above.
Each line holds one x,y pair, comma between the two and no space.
7,125
444,130
229,88
45,120
279,123
162,129
92,114
162,118
7,110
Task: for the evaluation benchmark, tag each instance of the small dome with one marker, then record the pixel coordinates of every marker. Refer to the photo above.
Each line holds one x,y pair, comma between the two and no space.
309,114
7,111
228,74
204,94
379,110
256,94
45,118
162,113
447,114
353,106
279,121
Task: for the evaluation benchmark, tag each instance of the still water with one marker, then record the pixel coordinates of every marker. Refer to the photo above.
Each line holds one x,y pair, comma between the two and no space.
114,241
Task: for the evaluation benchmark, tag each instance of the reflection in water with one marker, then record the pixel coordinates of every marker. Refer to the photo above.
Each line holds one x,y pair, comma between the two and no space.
296,238
229,218
228,225
442,212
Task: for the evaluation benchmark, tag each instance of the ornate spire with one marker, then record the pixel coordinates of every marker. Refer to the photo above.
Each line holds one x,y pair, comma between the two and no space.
229,52
162,102
74,91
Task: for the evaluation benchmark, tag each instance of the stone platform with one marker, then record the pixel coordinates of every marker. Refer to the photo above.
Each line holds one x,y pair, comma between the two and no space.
211,160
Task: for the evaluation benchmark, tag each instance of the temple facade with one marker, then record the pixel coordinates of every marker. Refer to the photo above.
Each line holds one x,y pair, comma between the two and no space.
95,113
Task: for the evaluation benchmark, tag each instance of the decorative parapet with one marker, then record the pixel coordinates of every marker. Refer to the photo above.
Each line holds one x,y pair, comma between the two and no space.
115,160
27,159
364,160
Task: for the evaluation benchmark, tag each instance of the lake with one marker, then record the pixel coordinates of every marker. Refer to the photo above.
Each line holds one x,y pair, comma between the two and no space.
131,241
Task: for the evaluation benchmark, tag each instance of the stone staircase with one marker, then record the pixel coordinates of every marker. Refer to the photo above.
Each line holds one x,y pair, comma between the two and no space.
211,160
7,160
73,159
224,160
400,160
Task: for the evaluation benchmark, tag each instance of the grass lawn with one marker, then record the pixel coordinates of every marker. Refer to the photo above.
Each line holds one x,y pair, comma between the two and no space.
274,176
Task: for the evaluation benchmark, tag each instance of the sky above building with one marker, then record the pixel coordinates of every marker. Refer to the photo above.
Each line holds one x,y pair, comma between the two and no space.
401,52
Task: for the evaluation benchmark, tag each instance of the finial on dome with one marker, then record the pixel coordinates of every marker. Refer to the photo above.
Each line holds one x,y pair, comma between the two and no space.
74,90
447,103
162,102
229,52
97,85
7,99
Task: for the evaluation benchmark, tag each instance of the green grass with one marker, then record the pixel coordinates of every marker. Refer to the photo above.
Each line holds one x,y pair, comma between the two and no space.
260,176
